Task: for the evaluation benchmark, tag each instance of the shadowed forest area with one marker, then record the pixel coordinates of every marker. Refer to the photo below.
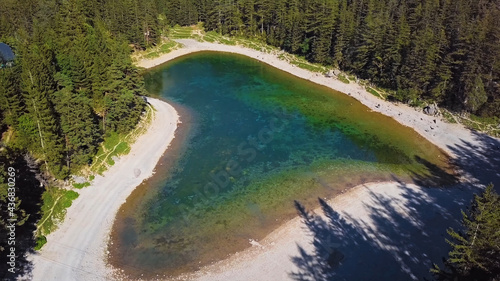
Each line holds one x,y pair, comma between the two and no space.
401,239
71,85
27,213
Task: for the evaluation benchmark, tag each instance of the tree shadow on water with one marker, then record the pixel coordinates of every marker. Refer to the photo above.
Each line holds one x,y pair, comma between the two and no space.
434,175
383,238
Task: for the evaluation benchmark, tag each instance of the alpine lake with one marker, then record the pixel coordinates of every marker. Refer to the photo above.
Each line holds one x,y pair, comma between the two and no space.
253,139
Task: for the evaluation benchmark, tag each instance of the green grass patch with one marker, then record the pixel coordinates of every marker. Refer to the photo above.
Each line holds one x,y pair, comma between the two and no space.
81,185
101,169
343,79
448,116
212,34
152,55
120,149
113,145
156,51
268,48
40,241
198,37
168,47
111,140
180,32
488,125
55,201
373,92
209,39
227,41
471,124
485,120
308,66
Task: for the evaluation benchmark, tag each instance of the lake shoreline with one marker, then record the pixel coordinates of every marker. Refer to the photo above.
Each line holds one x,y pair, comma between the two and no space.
433,128
260,258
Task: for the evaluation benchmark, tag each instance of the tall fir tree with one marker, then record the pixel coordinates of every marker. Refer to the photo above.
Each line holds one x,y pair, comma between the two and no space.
475,253
37,87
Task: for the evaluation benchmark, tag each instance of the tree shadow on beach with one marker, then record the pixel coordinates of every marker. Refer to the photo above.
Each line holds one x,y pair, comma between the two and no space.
396,239
479,160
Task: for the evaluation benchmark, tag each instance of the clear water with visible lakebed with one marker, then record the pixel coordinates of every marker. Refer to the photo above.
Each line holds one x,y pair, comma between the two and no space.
256,140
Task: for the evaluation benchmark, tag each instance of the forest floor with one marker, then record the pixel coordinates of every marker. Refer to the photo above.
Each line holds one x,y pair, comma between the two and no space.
392,230
77,249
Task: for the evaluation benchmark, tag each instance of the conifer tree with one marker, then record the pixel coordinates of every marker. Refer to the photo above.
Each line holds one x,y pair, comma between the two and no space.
11,101
78,126
475,253
38,86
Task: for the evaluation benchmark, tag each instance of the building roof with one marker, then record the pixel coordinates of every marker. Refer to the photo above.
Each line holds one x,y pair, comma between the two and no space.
6,53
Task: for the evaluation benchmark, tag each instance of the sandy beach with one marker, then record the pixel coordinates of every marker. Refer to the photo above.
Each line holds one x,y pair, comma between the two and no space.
77,250
388,226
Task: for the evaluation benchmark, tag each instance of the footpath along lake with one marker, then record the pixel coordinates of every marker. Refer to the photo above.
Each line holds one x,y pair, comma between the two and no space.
253,140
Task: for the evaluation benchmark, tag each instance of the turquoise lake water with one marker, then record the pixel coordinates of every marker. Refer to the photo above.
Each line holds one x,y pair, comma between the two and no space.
257,140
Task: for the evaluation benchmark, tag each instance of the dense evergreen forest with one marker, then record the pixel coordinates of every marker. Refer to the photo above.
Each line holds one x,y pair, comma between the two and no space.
72,83
438,50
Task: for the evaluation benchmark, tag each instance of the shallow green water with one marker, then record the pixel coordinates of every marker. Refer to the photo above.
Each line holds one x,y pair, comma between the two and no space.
262,139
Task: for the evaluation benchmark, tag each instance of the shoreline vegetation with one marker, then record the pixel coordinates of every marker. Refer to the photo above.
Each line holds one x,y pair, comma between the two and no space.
57,199
70,250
